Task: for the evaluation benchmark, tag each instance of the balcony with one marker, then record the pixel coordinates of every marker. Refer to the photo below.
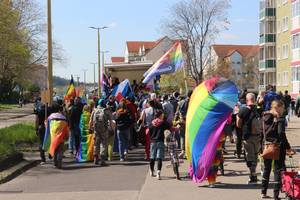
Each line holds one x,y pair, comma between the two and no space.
295,23
267,12
267,64
267,38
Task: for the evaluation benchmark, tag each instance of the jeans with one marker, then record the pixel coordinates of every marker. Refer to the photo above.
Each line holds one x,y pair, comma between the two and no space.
147,143
279,166
74,140
123,141
41,135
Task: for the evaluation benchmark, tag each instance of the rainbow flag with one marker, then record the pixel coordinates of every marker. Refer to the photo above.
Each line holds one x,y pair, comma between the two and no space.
170,62
71,92
57,131
86,149
209,108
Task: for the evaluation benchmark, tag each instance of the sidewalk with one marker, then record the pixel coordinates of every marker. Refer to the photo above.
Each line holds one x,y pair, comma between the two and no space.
232,186
17,115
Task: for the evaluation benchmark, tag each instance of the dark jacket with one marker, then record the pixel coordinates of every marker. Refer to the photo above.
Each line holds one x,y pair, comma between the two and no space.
275,131
75,114
157,130
123,120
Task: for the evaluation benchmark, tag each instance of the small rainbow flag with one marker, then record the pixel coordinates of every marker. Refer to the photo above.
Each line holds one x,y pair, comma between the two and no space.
57,131
71,92
170,62
209,108
86,149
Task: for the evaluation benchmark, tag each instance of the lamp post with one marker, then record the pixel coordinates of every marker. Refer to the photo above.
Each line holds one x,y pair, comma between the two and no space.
50,63
94,75
84,79
99,67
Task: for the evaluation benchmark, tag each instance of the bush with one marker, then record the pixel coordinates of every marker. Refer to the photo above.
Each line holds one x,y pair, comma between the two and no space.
15,135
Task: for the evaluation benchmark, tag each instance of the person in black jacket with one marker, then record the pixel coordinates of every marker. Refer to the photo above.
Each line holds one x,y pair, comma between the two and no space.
123,120
274,133
74,121
157,146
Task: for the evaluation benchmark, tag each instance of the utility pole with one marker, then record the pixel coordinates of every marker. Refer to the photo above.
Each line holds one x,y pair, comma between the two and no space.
99,61
50,63
94,75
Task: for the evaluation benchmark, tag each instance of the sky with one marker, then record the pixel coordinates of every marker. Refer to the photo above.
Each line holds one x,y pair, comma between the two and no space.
128,20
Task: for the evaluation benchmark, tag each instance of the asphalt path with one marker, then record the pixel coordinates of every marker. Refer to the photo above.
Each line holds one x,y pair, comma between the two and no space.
116,179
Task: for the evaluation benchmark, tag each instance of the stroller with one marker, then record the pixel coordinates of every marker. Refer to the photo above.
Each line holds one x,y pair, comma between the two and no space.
291,182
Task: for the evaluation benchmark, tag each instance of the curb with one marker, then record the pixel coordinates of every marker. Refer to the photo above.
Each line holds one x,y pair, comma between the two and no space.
16,170
10,161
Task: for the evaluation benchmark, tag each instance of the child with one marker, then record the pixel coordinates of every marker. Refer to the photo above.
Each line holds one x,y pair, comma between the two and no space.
157,147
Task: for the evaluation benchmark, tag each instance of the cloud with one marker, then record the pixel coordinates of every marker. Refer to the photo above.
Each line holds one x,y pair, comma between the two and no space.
228,36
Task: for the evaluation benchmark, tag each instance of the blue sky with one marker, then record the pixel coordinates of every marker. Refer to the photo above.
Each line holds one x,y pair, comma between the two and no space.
130,20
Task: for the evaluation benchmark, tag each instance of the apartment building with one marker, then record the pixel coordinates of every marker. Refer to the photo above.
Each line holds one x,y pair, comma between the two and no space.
279,56
295,46
267,43
283,45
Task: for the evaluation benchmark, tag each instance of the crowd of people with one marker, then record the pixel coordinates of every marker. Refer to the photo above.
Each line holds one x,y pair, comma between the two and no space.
144,119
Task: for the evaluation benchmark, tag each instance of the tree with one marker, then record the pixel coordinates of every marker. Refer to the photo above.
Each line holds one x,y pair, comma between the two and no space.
197,23
21,43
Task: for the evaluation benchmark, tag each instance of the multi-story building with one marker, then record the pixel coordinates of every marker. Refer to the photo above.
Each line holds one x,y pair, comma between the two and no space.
283,45
295,46
267,41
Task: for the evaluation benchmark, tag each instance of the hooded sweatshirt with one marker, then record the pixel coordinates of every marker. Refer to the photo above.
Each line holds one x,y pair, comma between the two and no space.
157,130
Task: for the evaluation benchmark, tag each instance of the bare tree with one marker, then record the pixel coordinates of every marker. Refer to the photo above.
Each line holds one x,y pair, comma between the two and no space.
197,23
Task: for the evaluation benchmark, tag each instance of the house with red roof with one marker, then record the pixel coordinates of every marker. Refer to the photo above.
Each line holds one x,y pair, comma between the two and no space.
138,57
242,61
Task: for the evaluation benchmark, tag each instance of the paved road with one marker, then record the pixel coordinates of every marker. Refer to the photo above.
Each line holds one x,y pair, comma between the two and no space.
17,115
80,181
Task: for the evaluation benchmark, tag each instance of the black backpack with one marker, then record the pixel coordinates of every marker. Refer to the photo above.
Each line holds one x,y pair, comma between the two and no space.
253,126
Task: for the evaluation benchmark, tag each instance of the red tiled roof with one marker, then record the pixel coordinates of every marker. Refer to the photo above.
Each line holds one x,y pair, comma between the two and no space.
134,46
117,59
227,50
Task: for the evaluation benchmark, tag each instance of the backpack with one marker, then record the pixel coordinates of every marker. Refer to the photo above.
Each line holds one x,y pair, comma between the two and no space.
100,120
253,125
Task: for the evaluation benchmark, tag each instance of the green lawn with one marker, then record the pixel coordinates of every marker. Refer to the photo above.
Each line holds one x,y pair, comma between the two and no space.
7,106
13,136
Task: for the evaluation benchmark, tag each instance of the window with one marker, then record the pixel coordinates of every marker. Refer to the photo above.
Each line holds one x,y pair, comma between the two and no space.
279,3
285,24
285,77
296,41
285,51
278,26
270,52
278,53
296,73
278,78
296,8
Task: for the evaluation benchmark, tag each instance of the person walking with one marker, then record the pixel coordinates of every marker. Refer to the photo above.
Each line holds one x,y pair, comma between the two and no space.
123,120
101,118
248,119
74,121
146,119
157,137
168,109
274,133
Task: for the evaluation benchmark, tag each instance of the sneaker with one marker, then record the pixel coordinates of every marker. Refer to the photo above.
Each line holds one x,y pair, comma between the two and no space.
103,163
212,185
121,160
151,173
158,175
42,163
252,180
126,155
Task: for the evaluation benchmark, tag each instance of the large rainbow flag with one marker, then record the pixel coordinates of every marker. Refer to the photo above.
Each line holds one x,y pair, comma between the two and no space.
57,131
209,108
170,62
86,149
71,92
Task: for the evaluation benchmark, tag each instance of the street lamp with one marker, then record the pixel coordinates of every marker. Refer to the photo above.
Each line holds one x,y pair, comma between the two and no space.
94,75
99,68
84,79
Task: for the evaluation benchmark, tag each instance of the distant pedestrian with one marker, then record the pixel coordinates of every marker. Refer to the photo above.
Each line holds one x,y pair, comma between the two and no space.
157,147
100,120
248,119
123,120
75,114
168,109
